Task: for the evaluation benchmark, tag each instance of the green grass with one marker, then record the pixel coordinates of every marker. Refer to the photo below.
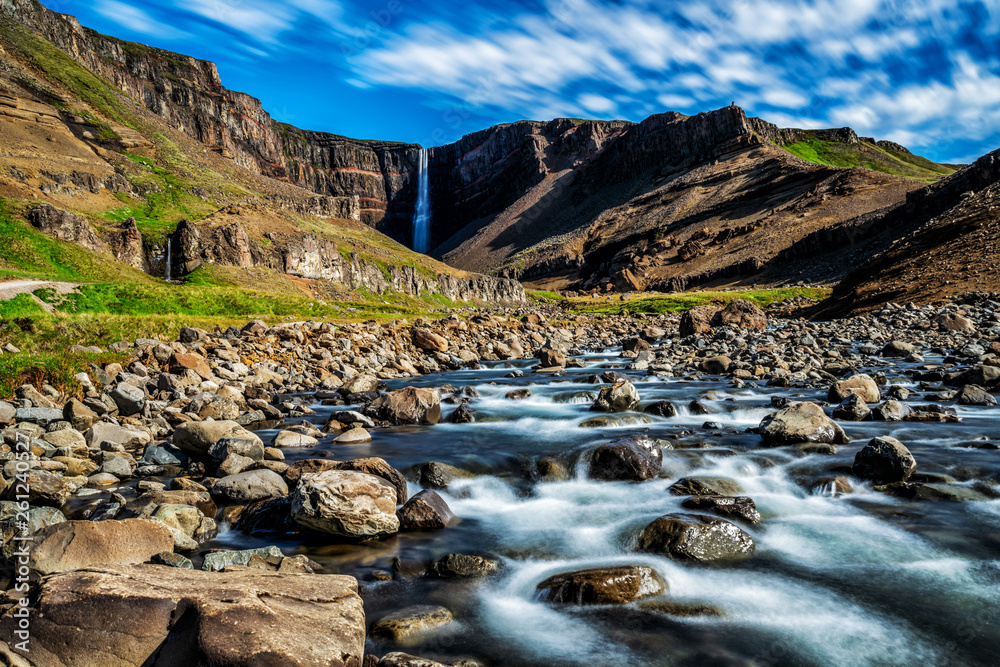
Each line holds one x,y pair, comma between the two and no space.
26,252
544,296
869,156
673,303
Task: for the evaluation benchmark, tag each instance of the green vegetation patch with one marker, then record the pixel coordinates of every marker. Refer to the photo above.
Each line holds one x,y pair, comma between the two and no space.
868,156
674,303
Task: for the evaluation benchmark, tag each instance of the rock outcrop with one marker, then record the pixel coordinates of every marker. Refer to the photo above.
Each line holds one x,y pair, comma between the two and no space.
159,615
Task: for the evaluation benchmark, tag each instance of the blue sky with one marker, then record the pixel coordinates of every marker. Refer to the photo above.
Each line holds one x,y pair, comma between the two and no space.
924,73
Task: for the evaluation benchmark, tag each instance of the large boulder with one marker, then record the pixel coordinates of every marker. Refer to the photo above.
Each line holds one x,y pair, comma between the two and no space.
199,437
884,460
346,503
552,358
71,545
634,458
158,615
800,422
622,396
411,405
740,314
861,385
250,486
697,320
373,465
695,537
427,340
602,585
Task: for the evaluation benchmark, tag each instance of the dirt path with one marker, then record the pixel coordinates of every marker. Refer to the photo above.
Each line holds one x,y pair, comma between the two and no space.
11,288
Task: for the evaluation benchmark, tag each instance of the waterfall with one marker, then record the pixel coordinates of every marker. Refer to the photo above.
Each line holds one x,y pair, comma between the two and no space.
422,214
166,268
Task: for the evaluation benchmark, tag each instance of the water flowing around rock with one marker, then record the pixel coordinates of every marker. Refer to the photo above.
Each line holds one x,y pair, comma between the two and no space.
422,213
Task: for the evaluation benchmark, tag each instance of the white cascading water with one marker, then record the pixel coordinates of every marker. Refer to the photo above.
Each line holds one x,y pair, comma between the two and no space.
166,270
422,214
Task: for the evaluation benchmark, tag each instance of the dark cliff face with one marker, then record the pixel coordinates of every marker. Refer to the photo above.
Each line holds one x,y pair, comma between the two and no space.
485,172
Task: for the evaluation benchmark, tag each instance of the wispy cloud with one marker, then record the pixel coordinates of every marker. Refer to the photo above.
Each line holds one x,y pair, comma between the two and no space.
924,70
138,20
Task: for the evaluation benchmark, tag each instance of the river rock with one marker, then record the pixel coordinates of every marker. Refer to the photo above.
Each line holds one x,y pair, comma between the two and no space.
463,414
695,537
346,503
884,460
283,439
373,465
552,358
861,385
619,397
972,394
740,314
71,545
464,566
133,615
250,486
954,322
716,365
898,349
697,320
409,625
180,362
661,409
705,486
800,422
853,409
430,341
199,437
634,458
739,508
353,436
436,475
602,585
425,511
219,560
251,448
891,411
410,405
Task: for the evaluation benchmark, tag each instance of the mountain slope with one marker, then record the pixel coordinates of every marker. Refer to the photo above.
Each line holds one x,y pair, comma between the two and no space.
942,242
98,170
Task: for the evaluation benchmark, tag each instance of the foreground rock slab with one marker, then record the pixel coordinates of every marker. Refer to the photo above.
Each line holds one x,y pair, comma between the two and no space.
155,615
72,545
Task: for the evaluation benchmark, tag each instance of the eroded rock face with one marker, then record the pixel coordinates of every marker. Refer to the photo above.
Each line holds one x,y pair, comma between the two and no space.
695,537
634,458
884,460
346,503
800,422
65,226
143,615
606,585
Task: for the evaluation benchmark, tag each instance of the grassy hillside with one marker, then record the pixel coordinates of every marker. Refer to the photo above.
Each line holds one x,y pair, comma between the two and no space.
869,156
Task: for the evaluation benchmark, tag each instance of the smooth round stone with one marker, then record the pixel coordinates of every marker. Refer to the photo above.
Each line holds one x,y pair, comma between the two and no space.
103,479
293,439
354,436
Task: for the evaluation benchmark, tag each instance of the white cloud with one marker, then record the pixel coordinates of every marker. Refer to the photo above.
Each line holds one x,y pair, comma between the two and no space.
259,19
597,104
137,20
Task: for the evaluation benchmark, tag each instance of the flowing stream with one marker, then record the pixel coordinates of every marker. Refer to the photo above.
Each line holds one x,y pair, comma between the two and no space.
422,213
862,578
